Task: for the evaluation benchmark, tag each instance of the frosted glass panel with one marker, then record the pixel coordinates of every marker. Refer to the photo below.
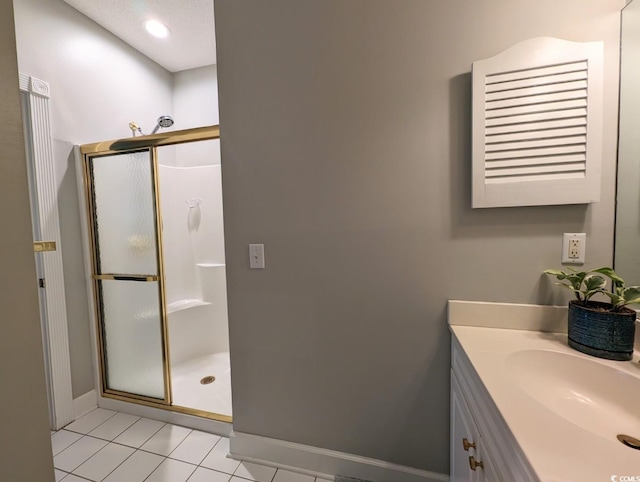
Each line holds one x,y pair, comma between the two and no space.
132,337
124,202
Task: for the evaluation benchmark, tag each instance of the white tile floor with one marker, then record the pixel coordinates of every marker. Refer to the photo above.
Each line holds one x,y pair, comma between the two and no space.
116,447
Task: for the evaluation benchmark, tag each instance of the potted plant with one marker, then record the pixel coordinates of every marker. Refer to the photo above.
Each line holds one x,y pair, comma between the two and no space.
605,330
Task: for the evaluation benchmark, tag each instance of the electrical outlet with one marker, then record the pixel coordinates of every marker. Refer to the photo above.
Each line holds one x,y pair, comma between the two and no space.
573,248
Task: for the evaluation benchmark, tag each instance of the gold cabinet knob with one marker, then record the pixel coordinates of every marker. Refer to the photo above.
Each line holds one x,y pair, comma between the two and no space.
468,445
474,464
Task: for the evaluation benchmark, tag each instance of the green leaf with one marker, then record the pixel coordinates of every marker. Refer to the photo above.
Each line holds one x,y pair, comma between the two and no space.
565,285
615,299
609,273
577,279
633,301
556,272
594,282
630,294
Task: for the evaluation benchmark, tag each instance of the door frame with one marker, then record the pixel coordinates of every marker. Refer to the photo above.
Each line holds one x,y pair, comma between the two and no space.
54,313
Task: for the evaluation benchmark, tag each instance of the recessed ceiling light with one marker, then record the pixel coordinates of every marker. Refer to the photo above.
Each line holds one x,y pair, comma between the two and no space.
156,28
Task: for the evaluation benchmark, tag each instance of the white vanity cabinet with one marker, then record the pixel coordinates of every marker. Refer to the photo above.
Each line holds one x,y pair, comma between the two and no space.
482,449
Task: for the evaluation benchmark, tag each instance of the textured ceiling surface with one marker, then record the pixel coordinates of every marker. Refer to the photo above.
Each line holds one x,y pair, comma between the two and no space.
191,43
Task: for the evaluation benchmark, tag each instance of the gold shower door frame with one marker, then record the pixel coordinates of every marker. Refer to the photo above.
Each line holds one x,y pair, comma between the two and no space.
148,143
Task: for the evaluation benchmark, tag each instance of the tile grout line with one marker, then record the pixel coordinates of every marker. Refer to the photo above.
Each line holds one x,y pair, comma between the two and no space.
220,437
146,440
97,408
151,473
192,474
115,468
87,460
67,447
69,473
210,450
176,447
120,433
163,461
213,470
74,431
154,433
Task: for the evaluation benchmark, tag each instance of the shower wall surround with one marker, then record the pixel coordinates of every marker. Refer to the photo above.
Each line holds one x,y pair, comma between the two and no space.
191,206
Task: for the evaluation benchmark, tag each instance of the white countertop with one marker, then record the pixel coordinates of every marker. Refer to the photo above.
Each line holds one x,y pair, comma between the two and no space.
557,449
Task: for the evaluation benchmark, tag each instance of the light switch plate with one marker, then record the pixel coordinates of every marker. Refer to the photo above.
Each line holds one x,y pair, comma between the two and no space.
256,256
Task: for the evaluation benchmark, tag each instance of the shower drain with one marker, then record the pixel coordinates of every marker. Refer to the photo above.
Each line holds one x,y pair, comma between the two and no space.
208,380
629,441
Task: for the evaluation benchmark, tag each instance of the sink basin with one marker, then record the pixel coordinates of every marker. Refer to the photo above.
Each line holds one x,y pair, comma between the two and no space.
595,396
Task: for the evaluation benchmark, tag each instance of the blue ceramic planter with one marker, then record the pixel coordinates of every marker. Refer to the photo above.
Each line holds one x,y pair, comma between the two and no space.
603,334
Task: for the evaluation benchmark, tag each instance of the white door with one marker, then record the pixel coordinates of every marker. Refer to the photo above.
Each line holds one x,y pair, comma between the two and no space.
46,228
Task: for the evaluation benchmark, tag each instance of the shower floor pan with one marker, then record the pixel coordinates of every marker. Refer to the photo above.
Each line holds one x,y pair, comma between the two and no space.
188,391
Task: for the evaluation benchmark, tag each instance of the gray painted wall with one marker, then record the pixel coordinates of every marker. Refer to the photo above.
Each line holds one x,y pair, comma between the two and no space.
346,151
25,445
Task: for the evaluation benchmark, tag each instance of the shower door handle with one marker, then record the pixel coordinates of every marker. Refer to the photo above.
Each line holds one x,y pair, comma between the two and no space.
135,278
125,277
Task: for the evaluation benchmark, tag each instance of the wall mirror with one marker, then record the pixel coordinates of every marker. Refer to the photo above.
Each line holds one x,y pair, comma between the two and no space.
627,245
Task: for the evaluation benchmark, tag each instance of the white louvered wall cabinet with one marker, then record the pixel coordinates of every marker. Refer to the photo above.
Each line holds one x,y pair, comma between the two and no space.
537,124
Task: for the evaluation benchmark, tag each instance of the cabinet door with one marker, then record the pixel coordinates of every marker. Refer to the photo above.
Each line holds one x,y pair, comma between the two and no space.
487,473
462,427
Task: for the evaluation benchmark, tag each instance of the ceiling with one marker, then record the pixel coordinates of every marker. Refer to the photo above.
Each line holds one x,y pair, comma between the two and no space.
192,41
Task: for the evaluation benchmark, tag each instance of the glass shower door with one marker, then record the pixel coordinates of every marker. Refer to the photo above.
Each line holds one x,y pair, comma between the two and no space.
128,275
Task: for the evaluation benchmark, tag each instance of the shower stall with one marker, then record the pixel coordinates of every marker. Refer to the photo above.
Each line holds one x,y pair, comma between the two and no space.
154,206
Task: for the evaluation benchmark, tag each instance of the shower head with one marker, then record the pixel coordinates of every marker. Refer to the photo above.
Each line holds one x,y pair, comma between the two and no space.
163,121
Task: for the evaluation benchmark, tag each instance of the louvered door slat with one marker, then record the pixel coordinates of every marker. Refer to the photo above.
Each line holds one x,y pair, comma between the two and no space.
529,161
535,108
546,80
537,99
537,152
535,143
536,134
516,183
535,72
579,85
560,124
539,117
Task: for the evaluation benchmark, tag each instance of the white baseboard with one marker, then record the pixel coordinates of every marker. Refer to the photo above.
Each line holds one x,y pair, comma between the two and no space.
323,463
84,403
